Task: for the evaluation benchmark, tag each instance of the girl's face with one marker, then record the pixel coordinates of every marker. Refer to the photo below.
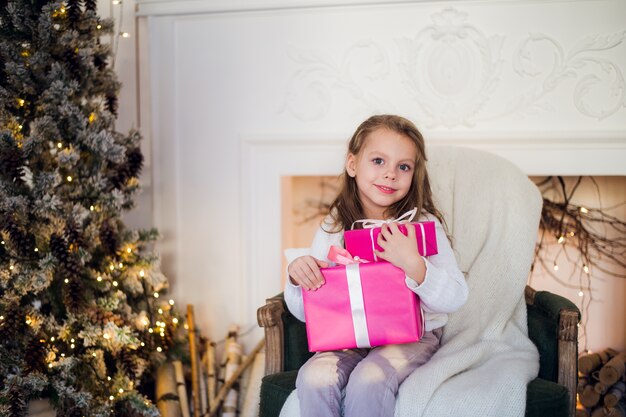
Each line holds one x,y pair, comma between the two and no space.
383,170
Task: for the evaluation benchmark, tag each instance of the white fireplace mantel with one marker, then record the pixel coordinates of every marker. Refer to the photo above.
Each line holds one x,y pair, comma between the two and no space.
245,91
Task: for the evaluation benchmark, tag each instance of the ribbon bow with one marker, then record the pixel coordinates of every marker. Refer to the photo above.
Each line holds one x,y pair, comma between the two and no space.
373,223
341,256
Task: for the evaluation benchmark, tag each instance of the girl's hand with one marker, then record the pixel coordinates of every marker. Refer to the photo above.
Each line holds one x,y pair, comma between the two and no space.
305,271
401,250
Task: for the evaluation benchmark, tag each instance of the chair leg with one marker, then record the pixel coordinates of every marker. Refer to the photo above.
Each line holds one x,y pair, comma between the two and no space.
270,318
568,354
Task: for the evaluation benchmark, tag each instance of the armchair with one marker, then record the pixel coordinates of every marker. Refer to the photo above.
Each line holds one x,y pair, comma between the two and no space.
492,212
552,326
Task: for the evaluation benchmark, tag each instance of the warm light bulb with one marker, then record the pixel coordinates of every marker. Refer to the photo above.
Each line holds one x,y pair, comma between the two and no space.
141,273
11,268
94,354
72,340
1,317
160,311
175,320
586,269
66,281
106,336
125,35
159,349
59,145
584,210
171,302
52,339
142,344
99,279
120,390
99,27
115,283
20,102
69,178
72,346
36,250
121,265
580,293
150,330
556,267
111,267
129,250
91,208
156,295
561,239
111,398
116,2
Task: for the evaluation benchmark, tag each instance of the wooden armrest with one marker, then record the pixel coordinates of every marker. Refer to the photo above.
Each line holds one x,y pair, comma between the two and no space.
269,317
567,334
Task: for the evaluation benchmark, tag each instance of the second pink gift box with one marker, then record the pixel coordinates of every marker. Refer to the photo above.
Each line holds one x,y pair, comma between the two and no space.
360,243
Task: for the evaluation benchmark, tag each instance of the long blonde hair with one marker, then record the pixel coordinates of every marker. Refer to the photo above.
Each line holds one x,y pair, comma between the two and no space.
347,206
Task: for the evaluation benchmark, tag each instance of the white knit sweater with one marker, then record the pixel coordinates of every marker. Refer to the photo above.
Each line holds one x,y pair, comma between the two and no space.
443,291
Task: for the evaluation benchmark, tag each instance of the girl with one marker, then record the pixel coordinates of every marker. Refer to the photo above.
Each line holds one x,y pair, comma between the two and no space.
385,176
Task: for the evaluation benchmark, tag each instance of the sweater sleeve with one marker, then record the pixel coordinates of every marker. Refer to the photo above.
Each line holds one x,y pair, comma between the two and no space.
322,241
444,289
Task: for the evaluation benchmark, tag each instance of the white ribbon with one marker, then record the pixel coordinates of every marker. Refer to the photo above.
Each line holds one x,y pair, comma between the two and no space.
421,226
357,306
372,223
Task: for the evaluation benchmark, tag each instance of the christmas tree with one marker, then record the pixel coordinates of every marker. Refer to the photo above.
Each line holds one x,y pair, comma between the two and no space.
83,317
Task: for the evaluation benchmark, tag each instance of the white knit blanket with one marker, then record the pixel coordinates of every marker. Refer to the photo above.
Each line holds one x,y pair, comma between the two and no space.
486,359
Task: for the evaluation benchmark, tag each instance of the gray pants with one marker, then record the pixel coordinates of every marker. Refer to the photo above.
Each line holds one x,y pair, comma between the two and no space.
371,378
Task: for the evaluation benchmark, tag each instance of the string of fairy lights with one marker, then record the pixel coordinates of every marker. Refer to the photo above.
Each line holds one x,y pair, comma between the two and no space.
596,238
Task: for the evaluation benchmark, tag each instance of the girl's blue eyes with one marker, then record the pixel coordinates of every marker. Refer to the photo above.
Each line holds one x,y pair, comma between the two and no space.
403,167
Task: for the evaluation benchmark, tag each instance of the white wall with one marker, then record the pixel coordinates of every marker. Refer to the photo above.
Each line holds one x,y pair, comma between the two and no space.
235,94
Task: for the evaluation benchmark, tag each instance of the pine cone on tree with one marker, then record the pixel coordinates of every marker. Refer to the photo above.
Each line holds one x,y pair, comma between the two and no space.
14,322
16,400
112,102
35,356
90,5
73,12
74,295
73,66
11,159
134,162
108,237
101,316
100,62
24,243
74,236
128,360
60,250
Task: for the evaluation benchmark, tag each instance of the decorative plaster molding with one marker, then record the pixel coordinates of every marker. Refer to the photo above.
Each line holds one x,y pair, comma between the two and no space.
451,69
310,88
571,65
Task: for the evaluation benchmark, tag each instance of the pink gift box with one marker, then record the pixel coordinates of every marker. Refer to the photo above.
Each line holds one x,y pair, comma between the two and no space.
360,242
362,305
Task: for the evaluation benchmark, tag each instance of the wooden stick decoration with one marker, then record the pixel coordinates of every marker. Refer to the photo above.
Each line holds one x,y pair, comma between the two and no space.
211,371
167,398
232,352
228,384
181,388
193,353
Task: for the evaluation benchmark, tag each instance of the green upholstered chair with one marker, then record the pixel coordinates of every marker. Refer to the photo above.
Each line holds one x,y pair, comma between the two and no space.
482,195
552,326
